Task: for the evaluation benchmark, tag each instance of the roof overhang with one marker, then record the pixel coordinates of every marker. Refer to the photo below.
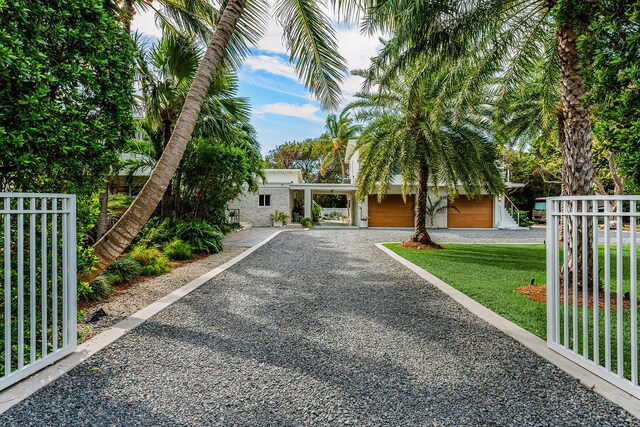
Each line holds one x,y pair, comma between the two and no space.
323,188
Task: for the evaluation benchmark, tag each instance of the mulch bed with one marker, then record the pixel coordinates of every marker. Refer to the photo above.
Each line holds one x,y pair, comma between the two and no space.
538,293
410,244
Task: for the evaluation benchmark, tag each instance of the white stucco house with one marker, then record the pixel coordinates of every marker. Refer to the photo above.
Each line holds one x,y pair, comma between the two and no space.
285,190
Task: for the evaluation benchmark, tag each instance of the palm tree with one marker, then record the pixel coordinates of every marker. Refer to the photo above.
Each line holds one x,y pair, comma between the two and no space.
165,72
311,42
411,134
339,131
507,38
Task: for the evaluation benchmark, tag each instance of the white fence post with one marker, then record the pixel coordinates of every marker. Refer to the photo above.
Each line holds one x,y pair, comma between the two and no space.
587,329
39,276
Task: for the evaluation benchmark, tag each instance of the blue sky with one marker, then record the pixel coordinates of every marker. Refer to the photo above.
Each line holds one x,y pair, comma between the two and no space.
283,109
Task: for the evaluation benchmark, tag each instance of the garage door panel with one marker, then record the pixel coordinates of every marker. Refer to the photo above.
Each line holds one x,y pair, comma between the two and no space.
391,212
474,213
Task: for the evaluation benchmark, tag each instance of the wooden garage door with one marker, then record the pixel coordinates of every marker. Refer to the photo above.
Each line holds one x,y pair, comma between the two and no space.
392,212
474,213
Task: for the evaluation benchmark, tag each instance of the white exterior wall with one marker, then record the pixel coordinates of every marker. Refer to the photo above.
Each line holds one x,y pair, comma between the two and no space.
440,220
259,216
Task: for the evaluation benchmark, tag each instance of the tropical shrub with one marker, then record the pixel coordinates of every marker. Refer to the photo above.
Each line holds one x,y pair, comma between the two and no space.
152,262
228,228
316,211
178,250
306,222
118,204
99,288
279,216
201,235
158,233
124,270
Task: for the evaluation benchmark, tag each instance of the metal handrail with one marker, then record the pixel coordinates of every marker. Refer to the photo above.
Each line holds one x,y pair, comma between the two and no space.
512,207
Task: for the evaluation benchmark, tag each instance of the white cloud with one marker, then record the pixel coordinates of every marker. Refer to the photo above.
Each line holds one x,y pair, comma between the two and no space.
144,22
271,64
355,47
304,112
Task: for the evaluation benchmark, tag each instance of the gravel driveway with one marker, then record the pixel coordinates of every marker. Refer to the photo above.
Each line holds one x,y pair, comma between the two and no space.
316,328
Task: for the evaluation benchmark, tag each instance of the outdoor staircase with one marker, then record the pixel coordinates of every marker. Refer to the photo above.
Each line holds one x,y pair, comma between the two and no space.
508,214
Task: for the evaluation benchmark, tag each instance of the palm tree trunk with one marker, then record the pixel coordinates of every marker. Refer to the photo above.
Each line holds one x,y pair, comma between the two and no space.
103,217
128,10
420,234
166,206
577,168
342,169
113,244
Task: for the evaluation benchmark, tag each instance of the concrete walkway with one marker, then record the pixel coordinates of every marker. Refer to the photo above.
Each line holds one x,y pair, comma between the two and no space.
249,237
316,328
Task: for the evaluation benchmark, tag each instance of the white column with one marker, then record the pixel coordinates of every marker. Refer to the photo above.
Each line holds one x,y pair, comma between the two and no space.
307,203
364,213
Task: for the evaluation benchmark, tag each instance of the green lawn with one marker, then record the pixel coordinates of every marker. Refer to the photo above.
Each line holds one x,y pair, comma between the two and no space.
490,273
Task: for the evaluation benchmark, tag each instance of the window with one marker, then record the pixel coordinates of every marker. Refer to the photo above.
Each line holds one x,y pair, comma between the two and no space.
264,200
540,206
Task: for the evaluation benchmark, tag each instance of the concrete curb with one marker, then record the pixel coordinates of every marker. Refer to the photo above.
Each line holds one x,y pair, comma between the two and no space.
25,388
526,338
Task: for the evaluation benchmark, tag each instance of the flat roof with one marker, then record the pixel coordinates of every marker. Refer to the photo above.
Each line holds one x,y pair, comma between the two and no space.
324,187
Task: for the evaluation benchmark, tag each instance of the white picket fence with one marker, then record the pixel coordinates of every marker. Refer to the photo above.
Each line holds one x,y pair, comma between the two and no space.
598,261
38,308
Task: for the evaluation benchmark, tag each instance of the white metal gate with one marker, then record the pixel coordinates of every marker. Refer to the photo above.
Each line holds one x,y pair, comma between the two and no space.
38,272
597,262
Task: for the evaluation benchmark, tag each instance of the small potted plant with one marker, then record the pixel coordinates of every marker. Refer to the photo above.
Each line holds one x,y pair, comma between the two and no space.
279,218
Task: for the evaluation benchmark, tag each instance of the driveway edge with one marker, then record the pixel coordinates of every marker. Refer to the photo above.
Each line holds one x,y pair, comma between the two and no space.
25,388
526,338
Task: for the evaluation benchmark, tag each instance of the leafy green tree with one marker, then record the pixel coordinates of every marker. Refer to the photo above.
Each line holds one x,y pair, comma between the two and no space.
210,175
611,51
66,101
304,155
411,135
65,95
313,49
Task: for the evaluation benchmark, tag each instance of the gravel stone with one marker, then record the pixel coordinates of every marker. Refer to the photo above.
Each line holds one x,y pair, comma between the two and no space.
317,328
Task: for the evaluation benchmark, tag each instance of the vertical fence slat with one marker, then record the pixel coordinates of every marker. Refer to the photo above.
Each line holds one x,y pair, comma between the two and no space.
20,269
619,292
607,288
551,274
585,280
633,292
596,297
65,277
556,271
565,273
71,289
54,275
574,271
32,280
43,275
7,287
